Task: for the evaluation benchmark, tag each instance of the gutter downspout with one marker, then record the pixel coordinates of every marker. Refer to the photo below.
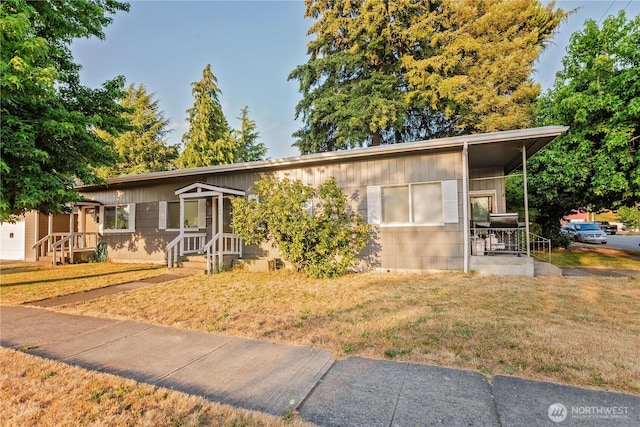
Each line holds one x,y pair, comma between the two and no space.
526,198
465,204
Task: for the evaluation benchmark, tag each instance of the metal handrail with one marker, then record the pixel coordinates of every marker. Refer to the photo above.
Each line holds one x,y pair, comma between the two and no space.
511,241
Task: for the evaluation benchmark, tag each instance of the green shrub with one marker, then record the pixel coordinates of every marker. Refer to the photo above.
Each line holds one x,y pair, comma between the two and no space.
314,230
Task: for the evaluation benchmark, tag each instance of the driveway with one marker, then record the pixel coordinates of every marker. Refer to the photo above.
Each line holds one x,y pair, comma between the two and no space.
624,242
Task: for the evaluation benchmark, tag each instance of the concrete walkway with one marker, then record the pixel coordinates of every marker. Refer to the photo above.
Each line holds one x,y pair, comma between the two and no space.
275,378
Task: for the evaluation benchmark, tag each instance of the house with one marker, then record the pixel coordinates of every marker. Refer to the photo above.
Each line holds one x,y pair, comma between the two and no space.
432,205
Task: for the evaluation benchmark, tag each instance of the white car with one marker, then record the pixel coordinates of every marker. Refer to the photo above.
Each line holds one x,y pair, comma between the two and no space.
587,232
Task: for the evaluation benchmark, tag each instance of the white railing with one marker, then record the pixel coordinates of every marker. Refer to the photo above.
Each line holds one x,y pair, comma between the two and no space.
43,246
55,242
228,243
187,243
509,241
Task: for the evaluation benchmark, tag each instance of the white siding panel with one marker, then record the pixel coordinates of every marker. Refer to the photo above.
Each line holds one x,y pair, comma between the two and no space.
374,204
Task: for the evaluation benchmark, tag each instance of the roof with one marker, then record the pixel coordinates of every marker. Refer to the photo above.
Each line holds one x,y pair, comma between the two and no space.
485,149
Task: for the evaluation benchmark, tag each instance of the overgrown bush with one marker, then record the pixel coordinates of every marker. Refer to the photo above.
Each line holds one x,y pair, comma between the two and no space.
313,229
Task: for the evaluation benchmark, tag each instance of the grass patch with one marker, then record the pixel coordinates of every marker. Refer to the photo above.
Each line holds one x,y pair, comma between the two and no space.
535,328
41,392
20,283
596,257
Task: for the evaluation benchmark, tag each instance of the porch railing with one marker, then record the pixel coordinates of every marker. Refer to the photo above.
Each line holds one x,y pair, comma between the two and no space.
56,242
228,243
509,241
184,244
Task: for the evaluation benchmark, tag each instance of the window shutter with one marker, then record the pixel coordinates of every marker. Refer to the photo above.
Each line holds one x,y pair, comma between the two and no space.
202,213
450,202
132,217
374,204
101,220
162,215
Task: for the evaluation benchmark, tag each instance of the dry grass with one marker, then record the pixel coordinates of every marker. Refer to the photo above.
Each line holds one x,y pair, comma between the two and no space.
579,331
23,282
35,391
579,255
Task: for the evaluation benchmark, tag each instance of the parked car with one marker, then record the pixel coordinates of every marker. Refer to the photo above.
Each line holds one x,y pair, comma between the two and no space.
587,232
606,227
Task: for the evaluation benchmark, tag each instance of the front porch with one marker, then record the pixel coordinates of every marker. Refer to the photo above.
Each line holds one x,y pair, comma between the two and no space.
68,238
215,242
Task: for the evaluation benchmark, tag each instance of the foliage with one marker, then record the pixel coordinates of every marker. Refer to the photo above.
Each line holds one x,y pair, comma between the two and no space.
389,72
322,243
48,118
144,148
208,140
597,163
247,149
629,216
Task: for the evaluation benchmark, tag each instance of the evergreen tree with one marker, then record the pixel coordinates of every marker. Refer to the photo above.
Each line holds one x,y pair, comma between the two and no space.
208,140
394,71
47,137
477,65
143,149
247,147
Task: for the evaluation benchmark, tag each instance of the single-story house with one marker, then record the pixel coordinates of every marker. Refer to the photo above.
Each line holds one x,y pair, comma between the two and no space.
434,205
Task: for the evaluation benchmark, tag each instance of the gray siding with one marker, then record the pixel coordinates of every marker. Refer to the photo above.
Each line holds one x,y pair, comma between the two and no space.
405,247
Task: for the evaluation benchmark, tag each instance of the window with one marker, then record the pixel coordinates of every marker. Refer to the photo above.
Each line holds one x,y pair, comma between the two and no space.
119,218
482,204
426,203
194,214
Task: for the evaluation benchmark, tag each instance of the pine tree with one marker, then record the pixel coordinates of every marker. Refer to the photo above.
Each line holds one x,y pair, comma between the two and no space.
394,71
247,147
144,148
208,140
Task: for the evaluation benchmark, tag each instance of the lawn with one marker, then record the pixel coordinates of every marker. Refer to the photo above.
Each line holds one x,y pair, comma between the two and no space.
580,331
24,282
591,256
35,391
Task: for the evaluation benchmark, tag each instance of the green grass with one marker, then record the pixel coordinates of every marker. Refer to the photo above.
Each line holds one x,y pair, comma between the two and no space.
596,257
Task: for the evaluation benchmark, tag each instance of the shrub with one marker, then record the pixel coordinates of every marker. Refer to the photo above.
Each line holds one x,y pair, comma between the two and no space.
322,239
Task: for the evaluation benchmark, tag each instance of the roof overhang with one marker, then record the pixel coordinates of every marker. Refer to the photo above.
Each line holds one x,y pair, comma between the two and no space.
494,149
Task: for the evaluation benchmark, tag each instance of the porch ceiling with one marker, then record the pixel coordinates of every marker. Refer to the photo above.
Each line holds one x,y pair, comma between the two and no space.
507,154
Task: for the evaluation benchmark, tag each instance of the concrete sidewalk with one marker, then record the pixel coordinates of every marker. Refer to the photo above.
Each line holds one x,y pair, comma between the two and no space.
268,377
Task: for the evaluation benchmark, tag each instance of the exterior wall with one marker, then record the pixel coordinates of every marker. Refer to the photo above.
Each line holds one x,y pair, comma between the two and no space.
490,179
397,247
12,236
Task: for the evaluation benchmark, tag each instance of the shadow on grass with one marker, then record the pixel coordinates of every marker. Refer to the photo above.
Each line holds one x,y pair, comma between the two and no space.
34,282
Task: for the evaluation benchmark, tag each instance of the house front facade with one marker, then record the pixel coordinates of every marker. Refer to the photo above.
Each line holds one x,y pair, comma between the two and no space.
424,201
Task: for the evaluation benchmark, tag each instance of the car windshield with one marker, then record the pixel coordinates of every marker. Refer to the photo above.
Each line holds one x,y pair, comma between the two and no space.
586,227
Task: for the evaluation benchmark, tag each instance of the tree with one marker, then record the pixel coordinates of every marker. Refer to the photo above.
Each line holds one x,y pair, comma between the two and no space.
629,216
144,148
48,119
247,147
208,140
477,67
322,243
596,164
389,72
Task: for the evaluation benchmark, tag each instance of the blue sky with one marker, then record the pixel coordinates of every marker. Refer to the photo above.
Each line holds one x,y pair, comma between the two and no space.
252,47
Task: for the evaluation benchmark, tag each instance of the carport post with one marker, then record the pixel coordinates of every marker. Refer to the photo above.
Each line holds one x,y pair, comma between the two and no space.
526,197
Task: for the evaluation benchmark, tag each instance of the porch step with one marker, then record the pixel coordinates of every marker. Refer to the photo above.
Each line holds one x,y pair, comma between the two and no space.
197,264
545,269
502,265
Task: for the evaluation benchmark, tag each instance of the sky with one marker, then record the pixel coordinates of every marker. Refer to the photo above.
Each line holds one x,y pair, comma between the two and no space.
252,47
